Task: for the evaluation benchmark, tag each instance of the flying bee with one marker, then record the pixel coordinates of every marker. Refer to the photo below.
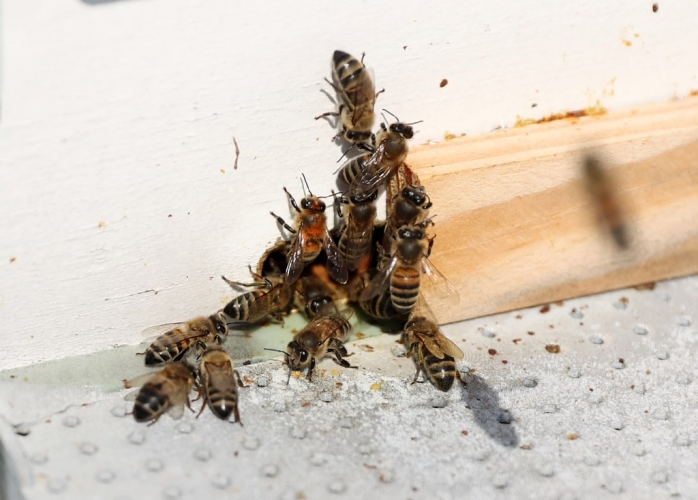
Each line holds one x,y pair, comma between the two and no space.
367,172
219,384
324,334
357,94
402,273
434,354
175,343
610,209
356,240
166,390
254,306
310,238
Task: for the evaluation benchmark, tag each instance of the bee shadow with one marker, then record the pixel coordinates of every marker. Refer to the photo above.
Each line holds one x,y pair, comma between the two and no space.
484,403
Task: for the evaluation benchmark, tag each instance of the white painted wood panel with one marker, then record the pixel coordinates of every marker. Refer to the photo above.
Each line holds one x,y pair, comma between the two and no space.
122,113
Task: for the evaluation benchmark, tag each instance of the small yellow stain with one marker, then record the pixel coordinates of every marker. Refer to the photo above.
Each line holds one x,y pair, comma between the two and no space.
376,386
222,171
448,136
101,224
334,373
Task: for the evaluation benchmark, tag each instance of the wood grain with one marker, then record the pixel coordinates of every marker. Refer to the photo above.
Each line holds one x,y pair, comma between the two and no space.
516,224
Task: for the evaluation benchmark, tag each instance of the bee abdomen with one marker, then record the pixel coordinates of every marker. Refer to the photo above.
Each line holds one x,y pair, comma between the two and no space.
350,71
222,402
380,306
162,351
352,169
238,309
441,372
150,403
354,251
404,288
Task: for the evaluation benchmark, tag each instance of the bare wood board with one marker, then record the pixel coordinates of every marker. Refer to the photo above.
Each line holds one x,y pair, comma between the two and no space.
517,227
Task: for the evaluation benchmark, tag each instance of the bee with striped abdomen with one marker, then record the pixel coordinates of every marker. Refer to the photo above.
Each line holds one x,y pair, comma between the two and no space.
219,384
433,353
402,273
175,343
166,390
254,306
357,94
356,240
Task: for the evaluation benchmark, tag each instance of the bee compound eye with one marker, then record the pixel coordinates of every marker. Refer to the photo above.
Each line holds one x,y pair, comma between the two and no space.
321,206
303,355
305,203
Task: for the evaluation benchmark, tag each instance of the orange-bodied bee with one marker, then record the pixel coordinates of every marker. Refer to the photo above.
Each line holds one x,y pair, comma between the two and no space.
166,390
357,94
433,353
175,343
367,172
310,238
356,240
254,306
603,192
219,384
402,273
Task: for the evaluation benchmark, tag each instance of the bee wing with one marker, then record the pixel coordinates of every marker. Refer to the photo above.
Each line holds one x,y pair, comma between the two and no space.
336,265
131,396
438,285
439,345
356,232
373,174
139,380
380,282
295,256
153,332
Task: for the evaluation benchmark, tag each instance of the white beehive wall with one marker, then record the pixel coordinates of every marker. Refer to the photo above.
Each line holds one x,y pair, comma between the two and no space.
118,118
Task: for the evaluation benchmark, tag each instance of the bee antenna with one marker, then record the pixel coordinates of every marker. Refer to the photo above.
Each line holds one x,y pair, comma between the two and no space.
306,183
391,114
415,123
276,350
345,153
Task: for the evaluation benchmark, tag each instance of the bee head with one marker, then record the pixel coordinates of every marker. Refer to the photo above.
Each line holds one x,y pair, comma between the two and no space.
313,203
219,324
403,129
297,358
357,136
369,198
416,195
410,233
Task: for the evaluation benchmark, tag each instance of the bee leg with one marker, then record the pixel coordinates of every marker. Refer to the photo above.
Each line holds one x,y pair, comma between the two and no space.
310,370
279,220
237,416
140,353
154,420
238,379
431,244
256,284
416,376
292,200
329,113
378,93
203,405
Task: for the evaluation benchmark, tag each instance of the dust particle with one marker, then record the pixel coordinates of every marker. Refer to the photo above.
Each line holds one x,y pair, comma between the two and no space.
525,446
305,404
376,386
516,341
559,303
647,372
448,136
504,361
531,333
222,171
12,259
360,335
623,300
248,362
465,433
518,316
101,224
571,436
443,83
170,215
545,309
552,348
492,352
366,347
655,7
404,47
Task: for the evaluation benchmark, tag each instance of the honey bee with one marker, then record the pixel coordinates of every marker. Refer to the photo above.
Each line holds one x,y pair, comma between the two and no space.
310,238
313,295
409,207
401,274
357,94
324,334
369,171
356,240
219,383
433,353
174,344
603,192
379,306
254,306
166,390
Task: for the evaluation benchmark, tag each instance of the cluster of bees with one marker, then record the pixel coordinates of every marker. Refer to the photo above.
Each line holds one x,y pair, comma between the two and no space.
382,267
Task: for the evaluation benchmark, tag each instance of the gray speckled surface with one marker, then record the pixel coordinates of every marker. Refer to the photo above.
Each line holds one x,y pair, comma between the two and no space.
612,414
